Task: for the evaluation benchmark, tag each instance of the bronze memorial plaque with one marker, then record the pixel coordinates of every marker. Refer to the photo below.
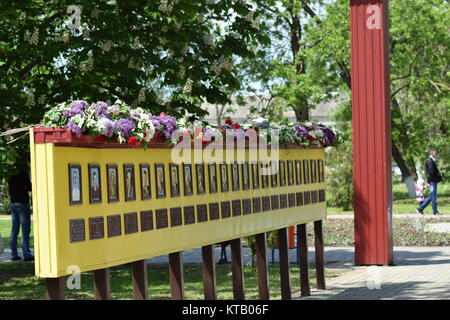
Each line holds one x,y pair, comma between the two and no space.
114,226
161,219
146,220
175,217
225,208
130,222
96,228
322,195
299,196
275,203
266,203
77,232
307,195
189,215
283,201
214,211
247,204
236,205
202,213
291,200
314,196
256,205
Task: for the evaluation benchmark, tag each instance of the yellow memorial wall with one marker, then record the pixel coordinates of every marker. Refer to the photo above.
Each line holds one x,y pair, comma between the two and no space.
96,208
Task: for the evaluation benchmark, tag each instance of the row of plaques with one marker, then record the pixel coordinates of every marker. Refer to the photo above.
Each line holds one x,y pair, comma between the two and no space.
290,172
217,210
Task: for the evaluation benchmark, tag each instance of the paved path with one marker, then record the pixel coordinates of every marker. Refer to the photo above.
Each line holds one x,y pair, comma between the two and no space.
418,273
397,215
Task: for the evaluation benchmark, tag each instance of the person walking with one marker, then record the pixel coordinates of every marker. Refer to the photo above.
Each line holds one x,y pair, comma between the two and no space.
433,178
19,186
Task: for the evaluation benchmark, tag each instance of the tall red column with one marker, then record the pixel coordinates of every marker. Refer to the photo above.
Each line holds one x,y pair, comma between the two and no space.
371,132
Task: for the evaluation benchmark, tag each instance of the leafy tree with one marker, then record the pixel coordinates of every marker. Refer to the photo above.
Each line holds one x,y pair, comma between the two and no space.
318,68
165,55
419,57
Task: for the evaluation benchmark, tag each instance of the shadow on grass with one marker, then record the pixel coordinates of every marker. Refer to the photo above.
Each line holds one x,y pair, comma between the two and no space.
17,282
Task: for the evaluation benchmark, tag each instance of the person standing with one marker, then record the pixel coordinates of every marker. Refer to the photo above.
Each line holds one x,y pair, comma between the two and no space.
19,186
433,178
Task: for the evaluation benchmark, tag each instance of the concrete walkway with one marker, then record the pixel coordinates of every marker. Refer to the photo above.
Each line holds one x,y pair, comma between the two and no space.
417,273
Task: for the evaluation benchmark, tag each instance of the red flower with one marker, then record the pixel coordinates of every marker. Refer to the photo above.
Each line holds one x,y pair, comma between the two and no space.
229,121
310,137
133,142
235,125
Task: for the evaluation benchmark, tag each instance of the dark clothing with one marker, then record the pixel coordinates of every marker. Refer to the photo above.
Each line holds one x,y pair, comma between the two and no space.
432,171
19,185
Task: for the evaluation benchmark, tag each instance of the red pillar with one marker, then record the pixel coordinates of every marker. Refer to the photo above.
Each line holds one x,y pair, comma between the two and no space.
371,131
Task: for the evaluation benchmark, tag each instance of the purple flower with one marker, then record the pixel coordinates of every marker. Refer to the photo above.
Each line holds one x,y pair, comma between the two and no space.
107,126
114,109
75,129
101,109
164,124
302,132
329,135
76,107
126,127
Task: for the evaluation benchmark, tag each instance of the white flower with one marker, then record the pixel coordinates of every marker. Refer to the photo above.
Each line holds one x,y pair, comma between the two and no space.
106,46
30,100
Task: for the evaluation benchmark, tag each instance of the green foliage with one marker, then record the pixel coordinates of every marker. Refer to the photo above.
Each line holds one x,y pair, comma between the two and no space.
165,55
339,167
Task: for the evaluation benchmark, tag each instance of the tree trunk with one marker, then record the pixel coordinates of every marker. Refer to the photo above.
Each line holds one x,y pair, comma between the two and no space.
408,177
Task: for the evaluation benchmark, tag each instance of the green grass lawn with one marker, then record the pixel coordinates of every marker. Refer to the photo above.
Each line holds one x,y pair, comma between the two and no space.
5,231
17,281
403,204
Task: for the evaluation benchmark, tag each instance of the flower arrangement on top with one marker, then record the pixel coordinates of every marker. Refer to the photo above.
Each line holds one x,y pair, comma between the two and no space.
137,127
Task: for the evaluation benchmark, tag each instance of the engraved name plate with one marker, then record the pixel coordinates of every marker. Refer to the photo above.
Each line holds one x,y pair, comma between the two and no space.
225,208
236,205
96,228
161,219
299,198
321,195
247,204
146,220
189,215
77,230
114,226
266,203
291,200
130,222
175,217
214,211
283,201
307,197
275,202
202,213
256,205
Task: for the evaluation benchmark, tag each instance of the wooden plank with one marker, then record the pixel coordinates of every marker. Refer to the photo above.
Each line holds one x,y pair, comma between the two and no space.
139,279
285,276
54,288
102,287
318,242
237,269
176,275
304,268
261,263
209,273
